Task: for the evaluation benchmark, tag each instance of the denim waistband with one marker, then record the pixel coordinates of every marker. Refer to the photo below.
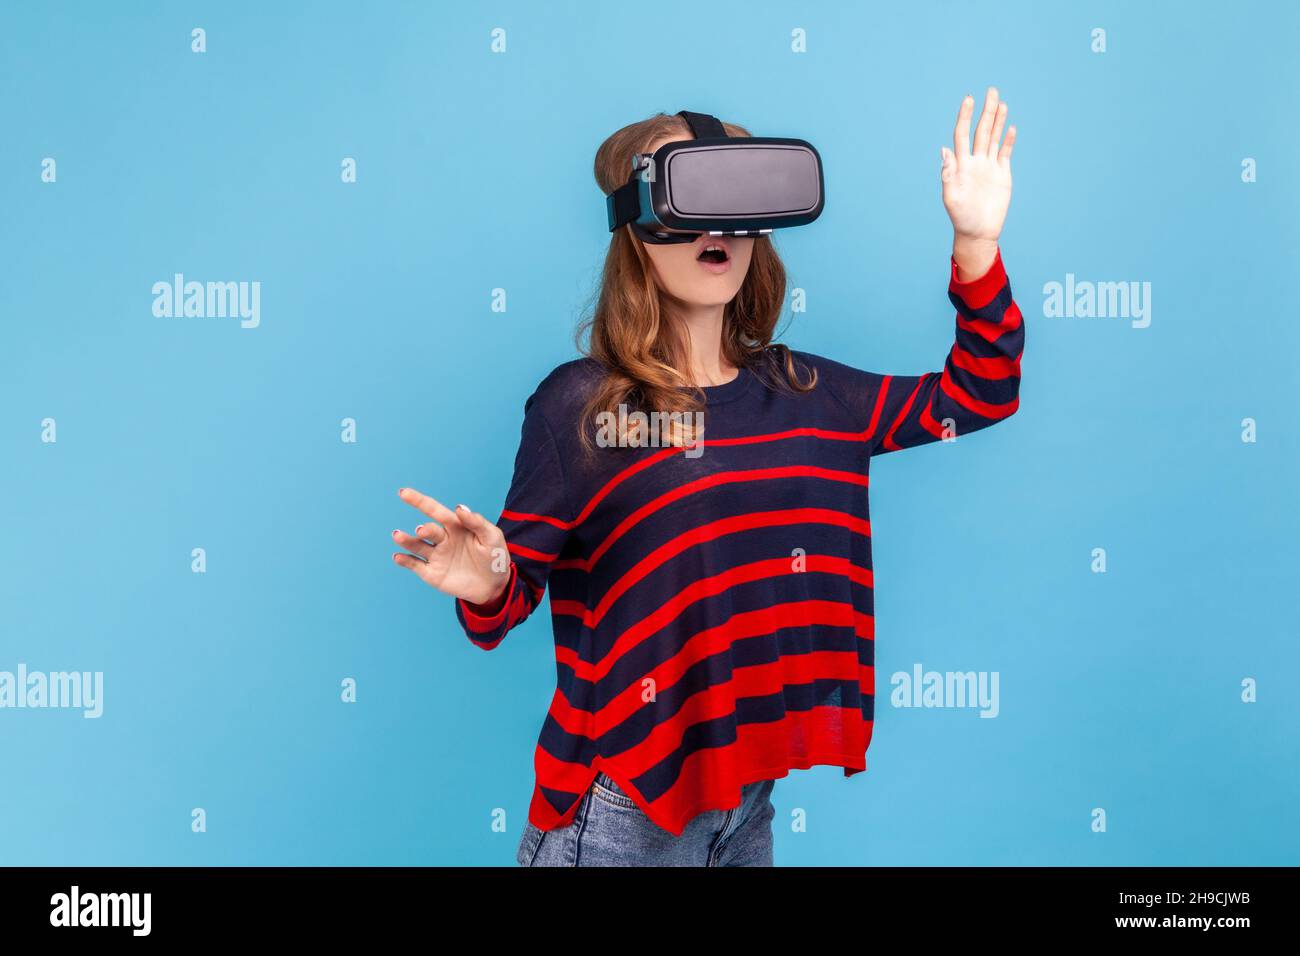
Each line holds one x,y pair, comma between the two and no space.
605,781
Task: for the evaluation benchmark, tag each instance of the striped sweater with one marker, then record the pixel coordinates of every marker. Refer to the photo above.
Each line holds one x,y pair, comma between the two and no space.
712,607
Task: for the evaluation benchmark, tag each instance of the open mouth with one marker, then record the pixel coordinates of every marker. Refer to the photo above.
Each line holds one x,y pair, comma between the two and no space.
713,253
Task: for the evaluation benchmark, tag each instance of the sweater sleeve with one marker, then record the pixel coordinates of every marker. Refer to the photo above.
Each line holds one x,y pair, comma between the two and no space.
536,521
980,381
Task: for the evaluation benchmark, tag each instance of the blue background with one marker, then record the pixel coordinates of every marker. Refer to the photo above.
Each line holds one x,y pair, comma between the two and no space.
1119,691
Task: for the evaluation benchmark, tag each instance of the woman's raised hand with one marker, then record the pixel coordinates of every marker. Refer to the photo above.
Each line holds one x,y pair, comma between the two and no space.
977,182
458,552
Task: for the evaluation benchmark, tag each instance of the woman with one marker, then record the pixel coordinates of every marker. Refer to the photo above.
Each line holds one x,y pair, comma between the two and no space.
710,567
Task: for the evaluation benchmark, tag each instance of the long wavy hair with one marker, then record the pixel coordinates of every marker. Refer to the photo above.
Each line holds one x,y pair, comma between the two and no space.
631,333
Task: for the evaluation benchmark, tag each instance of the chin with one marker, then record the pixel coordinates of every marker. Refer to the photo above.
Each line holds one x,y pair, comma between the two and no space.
701,298
718,290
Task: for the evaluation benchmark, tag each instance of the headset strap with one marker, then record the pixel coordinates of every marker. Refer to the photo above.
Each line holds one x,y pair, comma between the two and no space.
703,126
623,204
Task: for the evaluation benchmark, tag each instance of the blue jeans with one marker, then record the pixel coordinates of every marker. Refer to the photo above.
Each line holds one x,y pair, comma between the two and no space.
609,830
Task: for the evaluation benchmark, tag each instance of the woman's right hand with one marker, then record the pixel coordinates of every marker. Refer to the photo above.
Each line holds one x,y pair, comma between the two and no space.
459,552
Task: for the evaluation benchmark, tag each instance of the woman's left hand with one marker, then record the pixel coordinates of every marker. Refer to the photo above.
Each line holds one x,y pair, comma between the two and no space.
977,183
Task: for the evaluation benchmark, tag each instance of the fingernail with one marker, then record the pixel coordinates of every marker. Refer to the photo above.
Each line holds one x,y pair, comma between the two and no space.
419,530
394,532
400,490
461,508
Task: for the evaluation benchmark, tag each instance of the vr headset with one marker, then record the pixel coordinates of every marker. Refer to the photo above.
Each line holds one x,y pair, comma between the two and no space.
719,184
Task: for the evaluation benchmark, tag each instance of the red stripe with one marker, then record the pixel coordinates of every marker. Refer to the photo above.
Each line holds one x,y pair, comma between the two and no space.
712,531
512,610
799,668
518,550
711,778
701,484
999,367
524,516
625,474
823,433
720,701
992,331
979,292
907,406
599,496
880,404
929,423
560,774
971,403
698,590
